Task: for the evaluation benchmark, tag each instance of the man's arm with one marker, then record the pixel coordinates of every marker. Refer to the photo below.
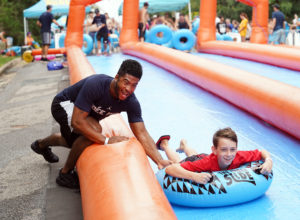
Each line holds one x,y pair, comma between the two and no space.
39,23
81,125
90,128
177,170
140,132
55,22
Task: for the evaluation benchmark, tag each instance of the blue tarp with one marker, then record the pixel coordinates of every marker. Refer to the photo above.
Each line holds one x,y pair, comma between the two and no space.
161,5
59,7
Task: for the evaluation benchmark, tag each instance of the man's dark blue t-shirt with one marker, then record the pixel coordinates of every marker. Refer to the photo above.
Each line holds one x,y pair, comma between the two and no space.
46,19
92,94
99,20
279,20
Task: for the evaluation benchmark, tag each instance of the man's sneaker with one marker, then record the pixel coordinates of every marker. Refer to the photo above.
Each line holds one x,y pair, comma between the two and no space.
69,179
47,153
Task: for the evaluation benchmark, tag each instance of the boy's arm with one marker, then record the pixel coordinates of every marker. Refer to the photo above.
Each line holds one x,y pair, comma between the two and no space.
177,170
266,167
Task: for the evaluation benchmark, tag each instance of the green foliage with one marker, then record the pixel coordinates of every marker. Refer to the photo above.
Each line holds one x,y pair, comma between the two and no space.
233,8
5,59
11,14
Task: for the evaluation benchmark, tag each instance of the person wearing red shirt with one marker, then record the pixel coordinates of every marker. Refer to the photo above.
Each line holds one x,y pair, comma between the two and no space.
224,156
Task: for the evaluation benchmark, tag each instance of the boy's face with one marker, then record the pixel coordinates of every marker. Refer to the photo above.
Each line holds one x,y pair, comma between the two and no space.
225,152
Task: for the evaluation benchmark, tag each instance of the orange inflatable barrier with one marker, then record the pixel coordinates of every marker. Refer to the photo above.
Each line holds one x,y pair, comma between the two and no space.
50,51
273,55
116,180
265,98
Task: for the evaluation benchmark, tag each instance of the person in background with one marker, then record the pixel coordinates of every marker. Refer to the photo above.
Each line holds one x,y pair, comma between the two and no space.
44,23
143,16
229,25
100,21
3,41
243,26
221,26
183,22
278,25
29,39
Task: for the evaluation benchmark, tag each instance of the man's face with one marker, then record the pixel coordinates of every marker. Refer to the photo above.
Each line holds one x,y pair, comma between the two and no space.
125,85
225,152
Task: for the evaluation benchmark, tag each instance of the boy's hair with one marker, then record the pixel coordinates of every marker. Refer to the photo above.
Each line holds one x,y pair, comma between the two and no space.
48,7
224,133
146,4
131,67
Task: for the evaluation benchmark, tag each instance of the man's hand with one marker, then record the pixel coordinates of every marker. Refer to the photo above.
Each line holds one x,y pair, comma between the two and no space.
163,163
201,178
116,139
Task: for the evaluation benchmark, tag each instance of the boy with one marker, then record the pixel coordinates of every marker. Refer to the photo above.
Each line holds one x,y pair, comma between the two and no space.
224,156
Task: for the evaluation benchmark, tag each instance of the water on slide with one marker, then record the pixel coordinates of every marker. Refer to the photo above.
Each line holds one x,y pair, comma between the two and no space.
173,106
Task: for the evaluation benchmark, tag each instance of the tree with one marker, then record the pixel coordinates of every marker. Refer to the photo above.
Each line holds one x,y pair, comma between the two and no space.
11,14
233,8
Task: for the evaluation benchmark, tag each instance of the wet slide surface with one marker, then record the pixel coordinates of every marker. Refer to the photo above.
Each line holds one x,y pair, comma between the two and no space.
173,106
287,76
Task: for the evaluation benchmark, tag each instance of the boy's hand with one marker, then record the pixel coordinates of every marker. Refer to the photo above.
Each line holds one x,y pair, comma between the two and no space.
163,163
266,167
202,178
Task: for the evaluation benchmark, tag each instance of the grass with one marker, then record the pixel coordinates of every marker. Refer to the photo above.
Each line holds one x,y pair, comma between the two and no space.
5,59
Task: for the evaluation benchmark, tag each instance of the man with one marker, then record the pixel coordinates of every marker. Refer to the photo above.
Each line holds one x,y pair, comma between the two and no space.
44,22
143,15
221,26
278,25
100,21
78,110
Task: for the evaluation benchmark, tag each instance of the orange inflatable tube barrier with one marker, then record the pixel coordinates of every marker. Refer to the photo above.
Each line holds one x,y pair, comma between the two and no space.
265,98
278,56
116,180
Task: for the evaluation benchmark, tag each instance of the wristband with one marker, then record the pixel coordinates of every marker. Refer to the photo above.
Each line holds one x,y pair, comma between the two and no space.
106,140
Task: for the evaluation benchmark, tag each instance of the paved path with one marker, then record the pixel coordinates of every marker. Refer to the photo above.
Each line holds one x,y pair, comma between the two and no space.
27,182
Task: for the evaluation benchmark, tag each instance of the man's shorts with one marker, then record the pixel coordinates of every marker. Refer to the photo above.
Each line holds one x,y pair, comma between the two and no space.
141,31
102,34
194,158
62,112
46,38
279,36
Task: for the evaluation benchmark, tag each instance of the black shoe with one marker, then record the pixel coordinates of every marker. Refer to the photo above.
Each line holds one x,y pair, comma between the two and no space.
69,180
47,153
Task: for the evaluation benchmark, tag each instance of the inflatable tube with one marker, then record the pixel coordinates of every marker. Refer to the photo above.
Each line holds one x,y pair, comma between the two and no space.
228,187
166,34
188,35
119,174
86,38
